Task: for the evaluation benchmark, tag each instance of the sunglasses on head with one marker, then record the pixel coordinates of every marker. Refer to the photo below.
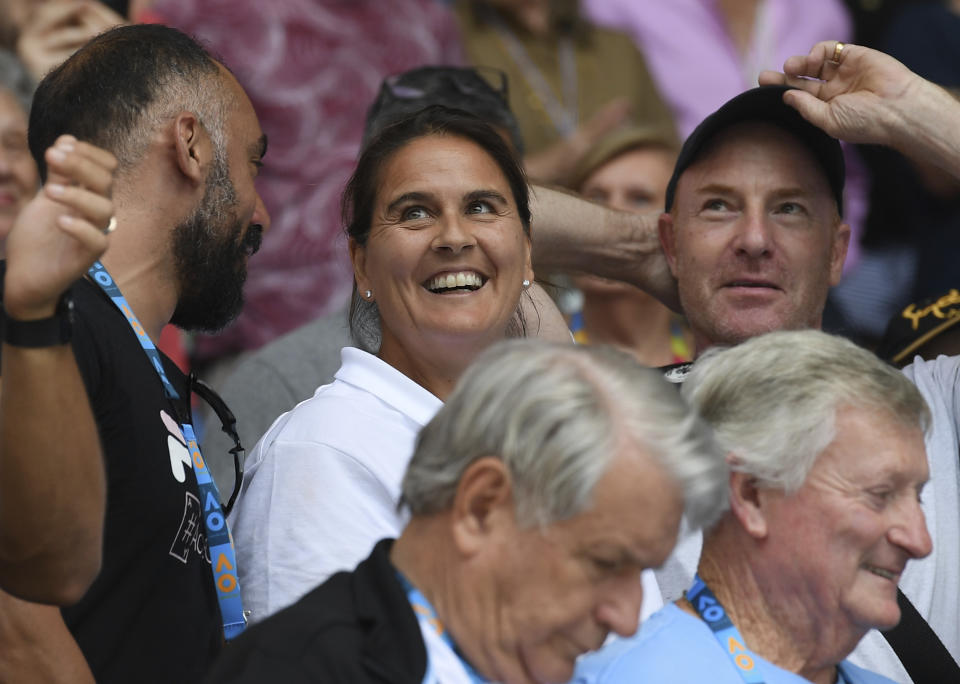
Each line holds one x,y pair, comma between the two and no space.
466,80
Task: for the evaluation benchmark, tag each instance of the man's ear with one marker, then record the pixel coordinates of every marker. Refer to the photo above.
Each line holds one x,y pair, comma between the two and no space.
746,504
665,230
194,148
838,252
482,505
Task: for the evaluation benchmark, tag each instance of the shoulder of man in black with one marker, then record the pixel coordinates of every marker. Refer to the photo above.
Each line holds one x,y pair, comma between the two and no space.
356,627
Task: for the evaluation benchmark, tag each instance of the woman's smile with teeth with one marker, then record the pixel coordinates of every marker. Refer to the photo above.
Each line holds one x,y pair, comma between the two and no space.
469,280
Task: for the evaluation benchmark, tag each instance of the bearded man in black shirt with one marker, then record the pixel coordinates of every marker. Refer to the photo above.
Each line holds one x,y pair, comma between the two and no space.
81,373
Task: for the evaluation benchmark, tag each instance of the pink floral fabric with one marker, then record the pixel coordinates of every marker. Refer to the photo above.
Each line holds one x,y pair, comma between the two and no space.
311,68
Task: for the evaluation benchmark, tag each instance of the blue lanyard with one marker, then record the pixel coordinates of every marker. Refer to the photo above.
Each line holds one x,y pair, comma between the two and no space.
713,613
219,542
422,608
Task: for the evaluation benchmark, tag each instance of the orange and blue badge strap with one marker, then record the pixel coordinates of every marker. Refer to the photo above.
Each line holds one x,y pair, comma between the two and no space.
424,611
713,613
219,541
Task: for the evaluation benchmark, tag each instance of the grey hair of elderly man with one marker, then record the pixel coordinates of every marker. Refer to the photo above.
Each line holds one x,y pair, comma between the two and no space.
826,450
825,444
554,415
773,400
550,479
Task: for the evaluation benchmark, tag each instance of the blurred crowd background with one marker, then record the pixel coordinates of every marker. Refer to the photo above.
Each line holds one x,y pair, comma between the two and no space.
591,82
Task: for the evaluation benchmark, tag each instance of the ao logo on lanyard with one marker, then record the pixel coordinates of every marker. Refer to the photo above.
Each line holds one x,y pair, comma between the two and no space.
220,543
713,613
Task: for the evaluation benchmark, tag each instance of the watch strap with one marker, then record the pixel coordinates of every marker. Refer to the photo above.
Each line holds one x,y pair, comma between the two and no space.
42,332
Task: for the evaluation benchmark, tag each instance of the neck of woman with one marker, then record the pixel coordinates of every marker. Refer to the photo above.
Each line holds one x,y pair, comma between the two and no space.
436,366
773,621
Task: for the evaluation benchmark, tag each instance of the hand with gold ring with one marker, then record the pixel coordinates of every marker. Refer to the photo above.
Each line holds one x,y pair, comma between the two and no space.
852,92
63,229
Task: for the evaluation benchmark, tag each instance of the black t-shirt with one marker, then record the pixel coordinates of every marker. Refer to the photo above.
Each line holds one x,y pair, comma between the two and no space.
152,614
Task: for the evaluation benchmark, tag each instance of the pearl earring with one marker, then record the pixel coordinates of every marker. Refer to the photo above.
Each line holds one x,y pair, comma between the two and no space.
367,293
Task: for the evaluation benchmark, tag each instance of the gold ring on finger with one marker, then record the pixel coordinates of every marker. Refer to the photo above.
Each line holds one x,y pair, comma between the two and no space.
837,51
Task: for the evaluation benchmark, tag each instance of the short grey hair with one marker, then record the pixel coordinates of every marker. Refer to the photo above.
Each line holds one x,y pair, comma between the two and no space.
773,400
115,90
555,415
203,94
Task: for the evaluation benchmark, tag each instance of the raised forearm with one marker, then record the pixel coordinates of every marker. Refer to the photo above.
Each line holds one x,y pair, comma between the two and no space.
52,482
542,318
926,127
571,234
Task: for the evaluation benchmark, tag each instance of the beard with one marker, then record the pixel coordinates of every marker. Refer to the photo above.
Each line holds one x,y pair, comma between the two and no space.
210,249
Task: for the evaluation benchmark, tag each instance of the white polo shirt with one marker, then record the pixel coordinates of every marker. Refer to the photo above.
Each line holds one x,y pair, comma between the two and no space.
322,485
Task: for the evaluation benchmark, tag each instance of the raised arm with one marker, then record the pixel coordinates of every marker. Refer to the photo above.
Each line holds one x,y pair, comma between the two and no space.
52,485
864,96
571,234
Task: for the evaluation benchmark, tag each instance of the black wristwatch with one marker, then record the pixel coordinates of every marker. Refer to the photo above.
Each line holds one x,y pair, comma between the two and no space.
43,332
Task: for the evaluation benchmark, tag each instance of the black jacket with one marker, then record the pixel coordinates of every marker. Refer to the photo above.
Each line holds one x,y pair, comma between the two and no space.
356,627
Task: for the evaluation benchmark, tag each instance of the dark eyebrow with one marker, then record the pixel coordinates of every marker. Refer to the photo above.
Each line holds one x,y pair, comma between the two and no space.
408,197
715,189
624,556
721,189
484,194
791,192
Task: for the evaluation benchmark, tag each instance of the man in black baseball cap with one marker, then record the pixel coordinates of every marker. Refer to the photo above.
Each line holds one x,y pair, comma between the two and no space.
753,230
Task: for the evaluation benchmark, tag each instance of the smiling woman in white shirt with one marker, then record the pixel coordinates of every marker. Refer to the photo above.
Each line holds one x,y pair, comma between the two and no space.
438,224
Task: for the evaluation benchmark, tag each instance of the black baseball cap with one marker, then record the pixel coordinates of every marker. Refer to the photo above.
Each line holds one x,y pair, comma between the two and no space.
918,324
764,104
